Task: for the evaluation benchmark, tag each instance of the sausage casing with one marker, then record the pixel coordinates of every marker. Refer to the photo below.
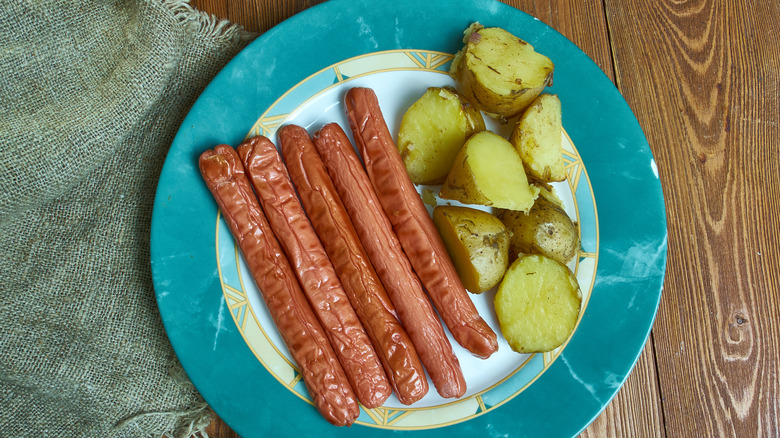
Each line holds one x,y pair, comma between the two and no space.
301,331
314,270
413,224
363,287
391,264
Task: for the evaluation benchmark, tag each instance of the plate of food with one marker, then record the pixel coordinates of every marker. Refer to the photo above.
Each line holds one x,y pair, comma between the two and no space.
368,80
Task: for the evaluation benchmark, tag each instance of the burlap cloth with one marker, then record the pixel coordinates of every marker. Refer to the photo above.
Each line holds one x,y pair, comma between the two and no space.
91,94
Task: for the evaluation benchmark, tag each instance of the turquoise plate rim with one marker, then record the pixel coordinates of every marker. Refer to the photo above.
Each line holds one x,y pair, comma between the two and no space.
631,215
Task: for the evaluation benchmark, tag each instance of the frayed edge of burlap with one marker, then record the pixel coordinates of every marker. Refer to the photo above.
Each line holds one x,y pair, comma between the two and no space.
182,423
207,24
188,422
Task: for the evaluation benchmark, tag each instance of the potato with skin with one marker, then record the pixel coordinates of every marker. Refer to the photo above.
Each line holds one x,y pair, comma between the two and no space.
478,244
537,304
537,138
432,132
498,72
546,229
488,171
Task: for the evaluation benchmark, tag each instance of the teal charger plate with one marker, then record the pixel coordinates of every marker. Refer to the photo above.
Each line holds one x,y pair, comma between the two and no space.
623,179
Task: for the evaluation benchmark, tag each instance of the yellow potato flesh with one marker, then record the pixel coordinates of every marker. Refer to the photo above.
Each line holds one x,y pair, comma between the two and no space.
537,304
477,242
432,132
488,171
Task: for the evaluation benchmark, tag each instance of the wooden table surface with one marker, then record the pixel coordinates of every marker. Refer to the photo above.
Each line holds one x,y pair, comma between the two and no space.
703,78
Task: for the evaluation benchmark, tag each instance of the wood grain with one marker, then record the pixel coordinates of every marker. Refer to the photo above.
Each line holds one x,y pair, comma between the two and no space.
702,77
254,15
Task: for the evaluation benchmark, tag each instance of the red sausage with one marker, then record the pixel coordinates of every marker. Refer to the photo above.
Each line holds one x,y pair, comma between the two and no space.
314,270
392,266
413,224
363,287
301,331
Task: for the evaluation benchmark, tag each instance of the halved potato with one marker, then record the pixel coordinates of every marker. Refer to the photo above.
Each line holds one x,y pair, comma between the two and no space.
498,72
537,138
546,229
537,304
488,171
432,132
478,244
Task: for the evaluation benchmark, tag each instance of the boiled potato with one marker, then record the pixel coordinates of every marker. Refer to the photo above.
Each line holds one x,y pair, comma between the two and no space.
537,304
432,132
537,138
548,192
478,244
498,72
546,229
488,171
